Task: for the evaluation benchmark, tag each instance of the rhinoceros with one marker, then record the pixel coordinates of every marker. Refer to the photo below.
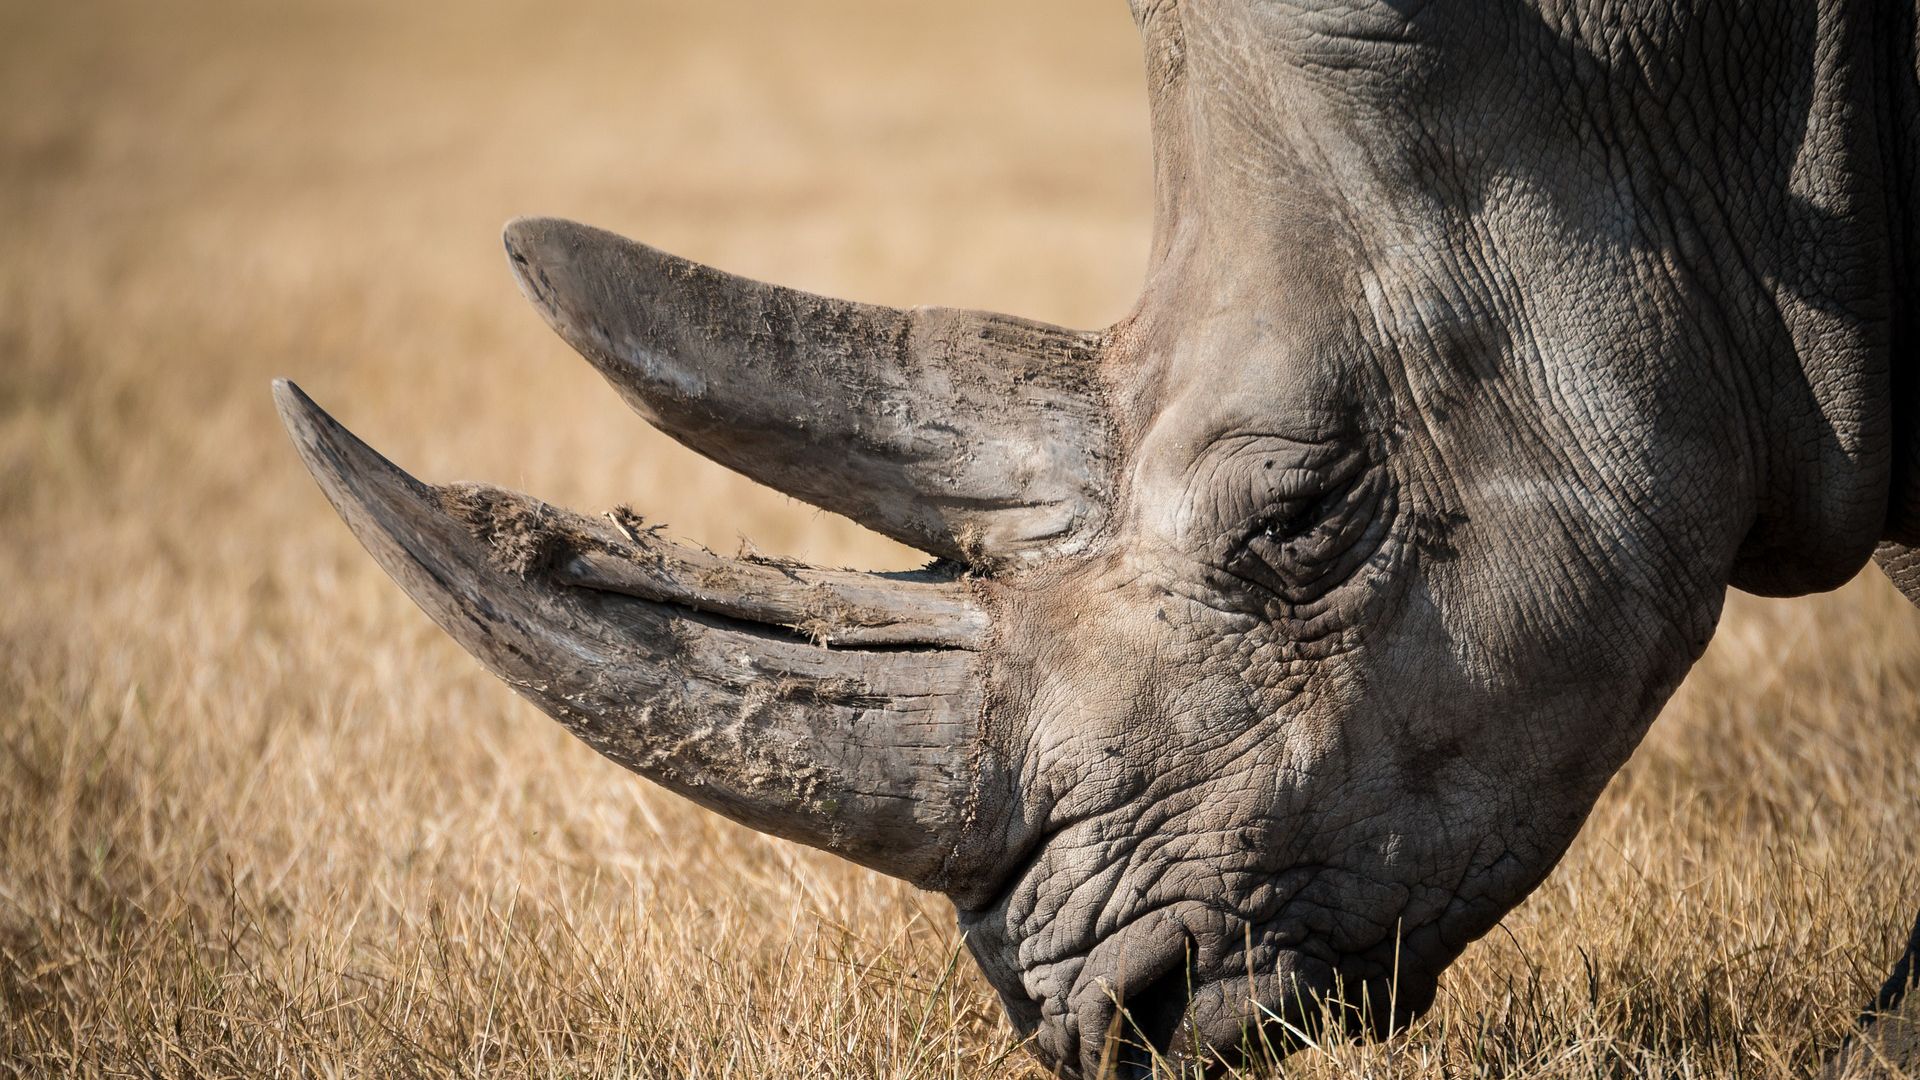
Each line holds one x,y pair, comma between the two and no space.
1279,638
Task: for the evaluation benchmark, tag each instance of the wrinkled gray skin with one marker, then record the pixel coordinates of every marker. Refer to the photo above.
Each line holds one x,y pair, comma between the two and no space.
1286,631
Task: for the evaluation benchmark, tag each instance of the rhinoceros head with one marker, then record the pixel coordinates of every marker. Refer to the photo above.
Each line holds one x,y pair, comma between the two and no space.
1280,636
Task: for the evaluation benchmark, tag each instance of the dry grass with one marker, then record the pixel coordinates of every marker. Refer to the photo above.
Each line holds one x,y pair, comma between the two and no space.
258,816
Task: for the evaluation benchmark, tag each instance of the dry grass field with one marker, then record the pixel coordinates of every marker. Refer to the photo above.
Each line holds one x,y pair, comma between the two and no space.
258,816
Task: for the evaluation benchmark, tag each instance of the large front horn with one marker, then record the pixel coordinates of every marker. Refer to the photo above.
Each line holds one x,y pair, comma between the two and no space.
976,437
837,709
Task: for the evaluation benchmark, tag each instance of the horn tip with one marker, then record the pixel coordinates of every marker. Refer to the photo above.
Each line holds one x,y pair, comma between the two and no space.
540,253
306,421
347,469
285,392
526,237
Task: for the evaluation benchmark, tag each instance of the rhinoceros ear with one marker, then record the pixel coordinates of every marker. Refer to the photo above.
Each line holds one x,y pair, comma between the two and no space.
976,437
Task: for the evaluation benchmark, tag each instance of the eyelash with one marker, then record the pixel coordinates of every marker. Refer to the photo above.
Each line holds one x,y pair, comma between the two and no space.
1299,550
1302,517
1287,526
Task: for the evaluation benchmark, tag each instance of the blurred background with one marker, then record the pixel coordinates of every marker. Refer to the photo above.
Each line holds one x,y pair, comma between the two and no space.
257,815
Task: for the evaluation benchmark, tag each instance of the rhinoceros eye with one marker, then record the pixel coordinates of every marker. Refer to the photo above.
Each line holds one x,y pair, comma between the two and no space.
1301,548
1286,525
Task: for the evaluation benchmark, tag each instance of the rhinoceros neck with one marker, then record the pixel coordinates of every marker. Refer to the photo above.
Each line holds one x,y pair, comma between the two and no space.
1818,226
1902,143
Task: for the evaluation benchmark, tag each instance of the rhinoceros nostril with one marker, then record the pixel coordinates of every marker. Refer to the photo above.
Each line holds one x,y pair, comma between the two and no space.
1152,1020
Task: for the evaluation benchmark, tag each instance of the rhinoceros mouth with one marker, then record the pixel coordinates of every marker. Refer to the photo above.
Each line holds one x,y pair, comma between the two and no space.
1232,1021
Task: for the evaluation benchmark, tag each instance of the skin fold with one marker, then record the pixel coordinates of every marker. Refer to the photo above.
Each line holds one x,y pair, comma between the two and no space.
1282,635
